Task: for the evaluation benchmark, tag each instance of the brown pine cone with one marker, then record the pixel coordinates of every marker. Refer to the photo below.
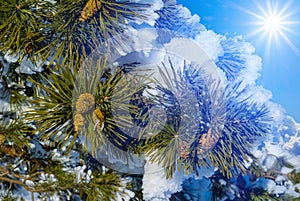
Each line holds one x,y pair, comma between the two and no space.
79,122
2,139
207,142
183,149
90,9
84,103
98,116
11,150
28,48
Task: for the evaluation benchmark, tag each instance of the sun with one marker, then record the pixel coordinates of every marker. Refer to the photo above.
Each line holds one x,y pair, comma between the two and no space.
273,23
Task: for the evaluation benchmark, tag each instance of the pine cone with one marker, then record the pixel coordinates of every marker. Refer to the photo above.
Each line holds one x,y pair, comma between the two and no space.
12,150
2,139
28,48
79,122
183,149
207,142
84,103
98,117
90,9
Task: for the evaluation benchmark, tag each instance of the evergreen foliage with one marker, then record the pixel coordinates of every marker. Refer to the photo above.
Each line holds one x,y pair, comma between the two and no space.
175,21
62,31
234,57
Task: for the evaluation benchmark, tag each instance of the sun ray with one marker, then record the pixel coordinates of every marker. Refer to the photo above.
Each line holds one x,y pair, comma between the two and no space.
290,44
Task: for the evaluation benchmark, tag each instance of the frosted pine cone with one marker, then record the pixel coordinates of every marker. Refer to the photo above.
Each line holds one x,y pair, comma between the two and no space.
84,103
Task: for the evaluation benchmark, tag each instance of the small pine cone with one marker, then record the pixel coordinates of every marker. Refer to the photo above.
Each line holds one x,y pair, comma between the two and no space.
79,122
2,139
207,142
183,149
85,102
98,117
28,48
90,9
12,150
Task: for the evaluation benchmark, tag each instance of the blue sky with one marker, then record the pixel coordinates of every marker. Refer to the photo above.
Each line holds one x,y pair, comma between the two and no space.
281,59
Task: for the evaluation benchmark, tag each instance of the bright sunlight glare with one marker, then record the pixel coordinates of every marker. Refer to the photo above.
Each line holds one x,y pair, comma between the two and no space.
273,22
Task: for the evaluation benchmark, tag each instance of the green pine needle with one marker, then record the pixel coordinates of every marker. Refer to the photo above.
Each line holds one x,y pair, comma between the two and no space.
51,107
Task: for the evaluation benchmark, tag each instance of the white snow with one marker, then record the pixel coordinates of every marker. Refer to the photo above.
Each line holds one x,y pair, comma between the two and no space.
156,186
29,183
222,182
149,11
209,41
26,66
11,58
